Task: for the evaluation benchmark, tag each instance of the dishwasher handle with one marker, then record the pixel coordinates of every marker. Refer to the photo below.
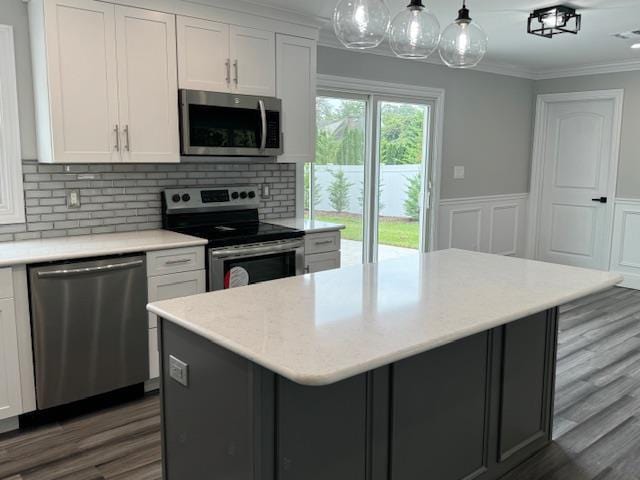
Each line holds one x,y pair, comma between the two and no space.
80,271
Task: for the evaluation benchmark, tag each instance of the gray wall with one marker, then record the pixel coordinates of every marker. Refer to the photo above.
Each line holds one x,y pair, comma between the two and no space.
487,124
629,169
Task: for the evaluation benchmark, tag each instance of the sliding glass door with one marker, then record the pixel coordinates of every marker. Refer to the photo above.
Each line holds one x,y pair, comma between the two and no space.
372,173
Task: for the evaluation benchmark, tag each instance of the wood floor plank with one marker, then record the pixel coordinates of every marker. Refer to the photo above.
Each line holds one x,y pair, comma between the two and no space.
596,430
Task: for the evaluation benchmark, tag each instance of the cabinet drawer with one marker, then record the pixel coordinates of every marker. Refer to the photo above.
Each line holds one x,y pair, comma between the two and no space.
321,242
6,283
164,262
175,285
321,262
154,354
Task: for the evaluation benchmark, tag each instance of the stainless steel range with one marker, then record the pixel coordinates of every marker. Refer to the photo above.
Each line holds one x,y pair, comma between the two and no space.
242,250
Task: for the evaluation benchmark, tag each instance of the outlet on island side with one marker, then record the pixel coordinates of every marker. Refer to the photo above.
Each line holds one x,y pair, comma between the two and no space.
458,172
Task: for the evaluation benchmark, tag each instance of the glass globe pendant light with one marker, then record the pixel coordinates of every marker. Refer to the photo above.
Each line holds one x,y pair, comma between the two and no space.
463,43
415,32
361,24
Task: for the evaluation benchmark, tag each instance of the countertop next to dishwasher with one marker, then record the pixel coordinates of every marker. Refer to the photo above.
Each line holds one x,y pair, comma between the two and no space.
84,246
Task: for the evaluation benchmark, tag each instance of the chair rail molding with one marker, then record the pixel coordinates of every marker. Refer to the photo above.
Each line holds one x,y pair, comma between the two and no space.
491,224
625,250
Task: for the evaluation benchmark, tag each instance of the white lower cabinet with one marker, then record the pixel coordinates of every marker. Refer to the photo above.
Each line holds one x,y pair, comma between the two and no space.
172,285
322,261
322,251
10,385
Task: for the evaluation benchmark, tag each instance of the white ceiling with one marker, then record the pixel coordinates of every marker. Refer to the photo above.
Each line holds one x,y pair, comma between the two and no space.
510,46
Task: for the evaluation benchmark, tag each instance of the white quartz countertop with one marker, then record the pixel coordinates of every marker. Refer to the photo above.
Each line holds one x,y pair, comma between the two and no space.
308,226
321,328
83,246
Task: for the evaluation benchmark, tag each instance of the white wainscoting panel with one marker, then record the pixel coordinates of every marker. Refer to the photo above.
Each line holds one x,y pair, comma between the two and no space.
625,251
492,224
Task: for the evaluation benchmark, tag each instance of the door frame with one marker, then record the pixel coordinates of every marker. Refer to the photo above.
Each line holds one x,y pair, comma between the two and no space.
387,90
538,161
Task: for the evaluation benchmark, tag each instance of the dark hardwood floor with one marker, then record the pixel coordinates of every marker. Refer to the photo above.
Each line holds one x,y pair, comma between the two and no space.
597,421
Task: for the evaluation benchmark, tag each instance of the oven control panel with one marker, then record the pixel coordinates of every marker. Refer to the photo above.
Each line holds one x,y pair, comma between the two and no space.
214,198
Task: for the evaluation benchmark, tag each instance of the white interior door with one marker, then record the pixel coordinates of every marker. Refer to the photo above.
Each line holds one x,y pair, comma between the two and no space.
579,168
148,85
253,57
83,81
203,55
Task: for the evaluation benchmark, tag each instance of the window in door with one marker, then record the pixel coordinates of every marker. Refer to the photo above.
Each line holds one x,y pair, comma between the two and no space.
372,173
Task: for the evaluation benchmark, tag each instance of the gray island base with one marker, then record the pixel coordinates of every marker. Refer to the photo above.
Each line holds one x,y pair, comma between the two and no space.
471,409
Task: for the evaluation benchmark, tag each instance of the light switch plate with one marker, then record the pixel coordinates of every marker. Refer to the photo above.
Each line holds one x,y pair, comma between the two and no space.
458,173
179,371
73,199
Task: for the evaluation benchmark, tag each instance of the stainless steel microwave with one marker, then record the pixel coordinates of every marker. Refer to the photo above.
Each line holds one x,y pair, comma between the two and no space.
223,124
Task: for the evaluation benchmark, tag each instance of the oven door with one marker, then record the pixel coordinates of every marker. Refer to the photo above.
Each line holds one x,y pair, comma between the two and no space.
222,124
242,265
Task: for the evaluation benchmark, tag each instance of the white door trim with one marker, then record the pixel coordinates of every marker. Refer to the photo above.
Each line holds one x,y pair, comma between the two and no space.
537,163
436,95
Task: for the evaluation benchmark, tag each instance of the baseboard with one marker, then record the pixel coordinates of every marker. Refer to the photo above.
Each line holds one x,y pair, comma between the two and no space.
152,385
630,280
9,425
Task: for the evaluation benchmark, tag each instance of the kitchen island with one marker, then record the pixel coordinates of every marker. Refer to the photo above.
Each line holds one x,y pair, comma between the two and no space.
439,366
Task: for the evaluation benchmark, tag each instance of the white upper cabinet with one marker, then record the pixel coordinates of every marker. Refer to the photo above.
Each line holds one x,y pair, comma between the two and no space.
77,115
203,55
148,86
296,86
217,57
253,57
105,83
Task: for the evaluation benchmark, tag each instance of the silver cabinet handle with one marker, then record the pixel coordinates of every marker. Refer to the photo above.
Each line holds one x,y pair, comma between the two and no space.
235,67
307,269
263,119
324,242
77,271
177,262
227,64
116,129
127,145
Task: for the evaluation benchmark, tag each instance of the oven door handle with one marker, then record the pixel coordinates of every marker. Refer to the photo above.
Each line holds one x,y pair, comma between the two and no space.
263,119
239,252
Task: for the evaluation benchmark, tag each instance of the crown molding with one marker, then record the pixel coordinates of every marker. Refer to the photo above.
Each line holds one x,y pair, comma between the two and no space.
617,67
329,40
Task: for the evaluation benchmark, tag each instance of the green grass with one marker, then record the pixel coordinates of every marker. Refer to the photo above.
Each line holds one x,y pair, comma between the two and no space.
395,232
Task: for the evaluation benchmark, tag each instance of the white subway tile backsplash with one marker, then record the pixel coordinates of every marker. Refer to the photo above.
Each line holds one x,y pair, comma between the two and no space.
123,198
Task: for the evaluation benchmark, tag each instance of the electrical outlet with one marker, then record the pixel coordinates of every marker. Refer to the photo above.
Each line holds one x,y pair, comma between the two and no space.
73,199
458,173
179,371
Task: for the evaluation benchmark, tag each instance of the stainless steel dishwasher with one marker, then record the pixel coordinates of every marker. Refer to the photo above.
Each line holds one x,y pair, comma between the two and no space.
90,327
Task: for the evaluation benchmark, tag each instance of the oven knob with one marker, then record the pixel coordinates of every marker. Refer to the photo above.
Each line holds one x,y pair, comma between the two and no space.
176,198
186,197
243,195
252,194
235,195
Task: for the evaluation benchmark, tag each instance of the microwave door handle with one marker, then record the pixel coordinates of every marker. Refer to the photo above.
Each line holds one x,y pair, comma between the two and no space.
240,252
263,119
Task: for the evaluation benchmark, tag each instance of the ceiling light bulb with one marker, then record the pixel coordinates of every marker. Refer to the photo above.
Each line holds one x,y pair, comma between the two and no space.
361,24
463,43
636,46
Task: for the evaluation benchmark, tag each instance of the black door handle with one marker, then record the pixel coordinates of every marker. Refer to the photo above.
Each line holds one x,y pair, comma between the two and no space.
601,199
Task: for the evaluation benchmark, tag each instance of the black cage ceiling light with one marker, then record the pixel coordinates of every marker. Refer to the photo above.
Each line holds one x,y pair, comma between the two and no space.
547,22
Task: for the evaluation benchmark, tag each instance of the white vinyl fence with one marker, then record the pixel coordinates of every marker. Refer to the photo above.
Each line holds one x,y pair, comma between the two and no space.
394,180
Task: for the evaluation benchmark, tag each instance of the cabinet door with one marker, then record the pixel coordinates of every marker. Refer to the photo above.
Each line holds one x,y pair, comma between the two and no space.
203,55
83,81
10,396
148,85
321,262
253,58
175,285
296,86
